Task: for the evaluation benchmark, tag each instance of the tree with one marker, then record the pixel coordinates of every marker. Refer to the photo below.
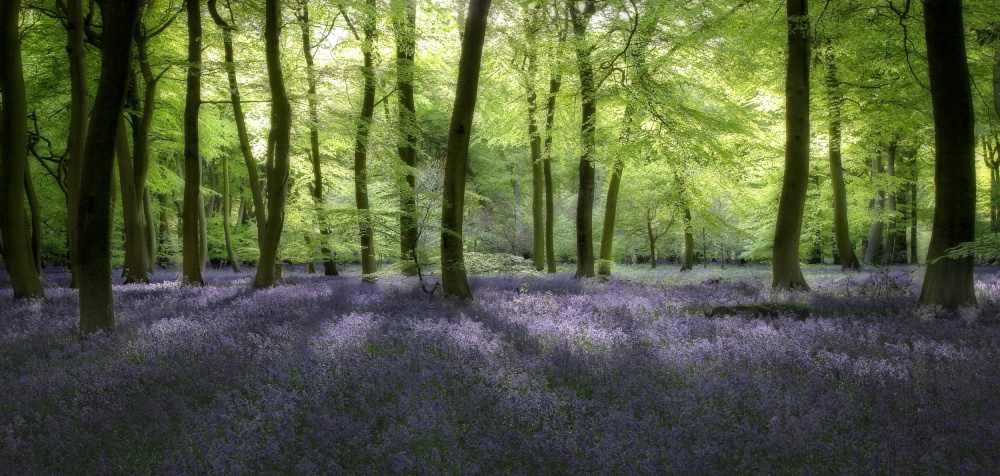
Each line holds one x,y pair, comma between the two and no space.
948,281
365,225
14,159
94,247
555,83
280,144
580,19
193,216
875,235
531,30
404,24
454,280
329,266
787,273
841,227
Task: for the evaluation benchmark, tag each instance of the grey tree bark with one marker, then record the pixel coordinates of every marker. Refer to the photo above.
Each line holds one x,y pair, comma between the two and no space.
405,31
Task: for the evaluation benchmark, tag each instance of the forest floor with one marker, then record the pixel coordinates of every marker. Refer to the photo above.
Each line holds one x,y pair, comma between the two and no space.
653,372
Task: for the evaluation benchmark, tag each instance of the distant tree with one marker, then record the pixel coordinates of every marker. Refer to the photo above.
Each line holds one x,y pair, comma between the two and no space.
16,248
453,275
94,247
787,273
841,226
948,281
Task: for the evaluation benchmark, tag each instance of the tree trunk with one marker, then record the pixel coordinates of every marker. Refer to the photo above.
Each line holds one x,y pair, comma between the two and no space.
365,225
280,137
914,259
453,276
555,82
610,210
194,209
13,158
135,238
226,212
329,269
688,263
94,247
875,236
79,99
253,177
841,227
405,30
164,232
892,234
537,170
36,220
948,281
786,270
585,198
150,230
652,240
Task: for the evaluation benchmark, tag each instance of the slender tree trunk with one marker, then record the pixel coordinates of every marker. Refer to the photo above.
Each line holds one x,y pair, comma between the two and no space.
914,259
610,211
150,230
366,228
193,261
537,175
405,30
280,137
585,198
787,273
453,276
164,235
135,243
652,239
14,159
555,82
94,247
226,216
948,281
253,177
875,236
79,98
888,236
329,269
841,226
36,220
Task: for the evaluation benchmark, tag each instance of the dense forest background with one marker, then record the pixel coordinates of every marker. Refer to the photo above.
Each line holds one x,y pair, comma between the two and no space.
663,123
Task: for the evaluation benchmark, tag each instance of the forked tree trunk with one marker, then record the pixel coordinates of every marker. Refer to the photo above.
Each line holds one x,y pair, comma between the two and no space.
405,30
94,247
841,227
453,276
787,273
948,282
280,137
365,225
585,197
193,261
14,159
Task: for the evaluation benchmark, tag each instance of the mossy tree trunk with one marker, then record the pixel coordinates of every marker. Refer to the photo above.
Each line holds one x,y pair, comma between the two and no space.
192,260
404,24
841,227
585,198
